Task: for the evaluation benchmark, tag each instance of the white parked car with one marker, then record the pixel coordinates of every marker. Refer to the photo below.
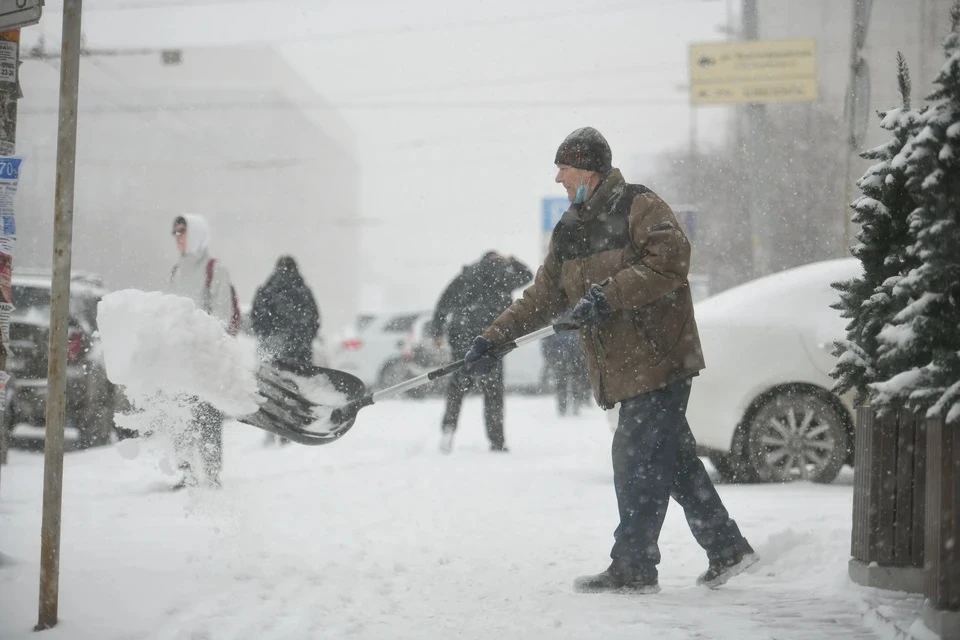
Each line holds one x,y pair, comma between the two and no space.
372,352
762,410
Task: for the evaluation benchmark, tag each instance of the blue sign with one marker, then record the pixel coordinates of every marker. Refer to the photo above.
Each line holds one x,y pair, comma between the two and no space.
687,217
8,226
10,168
553,209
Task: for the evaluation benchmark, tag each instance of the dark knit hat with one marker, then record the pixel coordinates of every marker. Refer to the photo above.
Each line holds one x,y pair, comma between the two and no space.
586,149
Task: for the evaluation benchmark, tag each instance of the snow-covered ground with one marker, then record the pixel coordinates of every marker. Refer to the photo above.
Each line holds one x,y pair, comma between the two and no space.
380,536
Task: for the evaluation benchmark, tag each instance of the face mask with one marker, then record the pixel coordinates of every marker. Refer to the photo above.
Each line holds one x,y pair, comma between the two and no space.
581,194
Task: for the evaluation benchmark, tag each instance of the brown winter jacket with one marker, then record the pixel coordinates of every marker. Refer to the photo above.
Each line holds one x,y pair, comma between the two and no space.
626,239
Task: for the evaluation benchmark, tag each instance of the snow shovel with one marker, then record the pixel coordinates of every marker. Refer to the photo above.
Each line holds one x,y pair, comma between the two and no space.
288,413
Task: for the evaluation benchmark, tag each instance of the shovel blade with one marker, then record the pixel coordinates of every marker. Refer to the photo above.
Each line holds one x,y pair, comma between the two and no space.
290,414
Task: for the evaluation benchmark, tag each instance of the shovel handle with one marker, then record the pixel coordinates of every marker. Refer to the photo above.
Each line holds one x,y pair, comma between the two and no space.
346,412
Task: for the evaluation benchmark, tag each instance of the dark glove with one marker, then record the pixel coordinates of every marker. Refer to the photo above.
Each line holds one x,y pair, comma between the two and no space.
477,360
592,308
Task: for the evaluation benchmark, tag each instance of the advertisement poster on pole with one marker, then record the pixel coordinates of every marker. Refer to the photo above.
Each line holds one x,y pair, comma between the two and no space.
4,380
9,179
6,271
6,309
8,61
7,243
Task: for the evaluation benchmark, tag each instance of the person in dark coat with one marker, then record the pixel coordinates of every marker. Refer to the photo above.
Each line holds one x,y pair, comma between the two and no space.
563,353
474,299
285,319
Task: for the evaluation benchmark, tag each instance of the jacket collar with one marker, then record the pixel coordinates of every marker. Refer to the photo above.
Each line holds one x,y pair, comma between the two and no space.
607,191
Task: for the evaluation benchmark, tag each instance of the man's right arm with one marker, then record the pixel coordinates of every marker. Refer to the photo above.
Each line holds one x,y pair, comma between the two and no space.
541,303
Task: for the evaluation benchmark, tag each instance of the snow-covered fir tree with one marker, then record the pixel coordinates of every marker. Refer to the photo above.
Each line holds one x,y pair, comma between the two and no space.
929,326
882,212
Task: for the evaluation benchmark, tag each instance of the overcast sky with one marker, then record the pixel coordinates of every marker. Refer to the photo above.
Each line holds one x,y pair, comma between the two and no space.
457,107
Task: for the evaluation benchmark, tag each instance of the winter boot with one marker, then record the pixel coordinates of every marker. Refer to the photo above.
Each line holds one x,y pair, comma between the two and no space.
620,578
728,566
499,448
187,480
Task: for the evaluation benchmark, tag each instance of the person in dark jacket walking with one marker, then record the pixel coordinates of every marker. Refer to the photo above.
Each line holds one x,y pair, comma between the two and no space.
285,319
284,315
619,259
469,303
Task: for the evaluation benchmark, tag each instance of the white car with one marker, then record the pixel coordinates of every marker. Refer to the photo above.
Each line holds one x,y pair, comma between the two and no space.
372,352
763,409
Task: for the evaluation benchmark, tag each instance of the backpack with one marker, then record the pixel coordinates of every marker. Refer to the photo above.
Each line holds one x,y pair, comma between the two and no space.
233,327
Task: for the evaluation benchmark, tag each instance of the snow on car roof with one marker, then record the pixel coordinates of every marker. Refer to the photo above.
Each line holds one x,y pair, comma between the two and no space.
783,293
39,282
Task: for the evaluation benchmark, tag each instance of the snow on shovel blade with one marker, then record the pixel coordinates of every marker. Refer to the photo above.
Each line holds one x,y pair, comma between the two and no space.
299,401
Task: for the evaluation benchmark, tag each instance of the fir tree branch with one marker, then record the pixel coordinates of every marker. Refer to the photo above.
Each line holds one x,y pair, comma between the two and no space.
903,76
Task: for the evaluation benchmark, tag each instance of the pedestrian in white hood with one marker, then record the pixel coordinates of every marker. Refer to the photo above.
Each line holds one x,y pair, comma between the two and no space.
194,276
202,279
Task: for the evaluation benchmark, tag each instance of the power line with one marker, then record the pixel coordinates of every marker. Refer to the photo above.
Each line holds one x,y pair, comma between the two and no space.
470,24
524,80
160,4
398,30
600,103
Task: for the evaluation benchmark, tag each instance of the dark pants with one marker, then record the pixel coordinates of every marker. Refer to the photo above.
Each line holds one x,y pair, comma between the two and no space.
654,458
492,386
572,383
205,437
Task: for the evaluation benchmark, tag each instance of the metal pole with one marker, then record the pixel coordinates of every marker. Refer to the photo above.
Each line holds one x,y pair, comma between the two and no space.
59,306
8,139
855,111
754,142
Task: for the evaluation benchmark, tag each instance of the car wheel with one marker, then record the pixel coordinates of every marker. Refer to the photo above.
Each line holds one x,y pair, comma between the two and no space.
394,373
96,424
796,435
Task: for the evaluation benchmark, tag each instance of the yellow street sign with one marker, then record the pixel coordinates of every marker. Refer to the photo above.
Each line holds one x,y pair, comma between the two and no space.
755,72
764,92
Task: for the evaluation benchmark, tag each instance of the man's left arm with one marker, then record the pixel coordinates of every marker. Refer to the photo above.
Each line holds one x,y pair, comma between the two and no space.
664,256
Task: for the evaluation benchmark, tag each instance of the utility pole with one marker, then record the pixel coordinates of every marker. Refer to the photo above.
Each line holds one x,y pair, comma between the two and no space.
856,109
9,93
59,309
754,141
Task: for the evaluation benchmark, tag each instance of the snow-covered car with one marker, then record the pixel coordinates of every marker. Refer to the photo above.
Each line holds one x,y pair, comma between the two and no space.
763,409
91,399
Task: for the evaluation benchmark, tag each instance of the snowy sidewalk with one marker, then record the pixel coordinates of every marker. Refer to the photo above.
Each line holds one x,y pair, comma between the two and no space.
380,536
